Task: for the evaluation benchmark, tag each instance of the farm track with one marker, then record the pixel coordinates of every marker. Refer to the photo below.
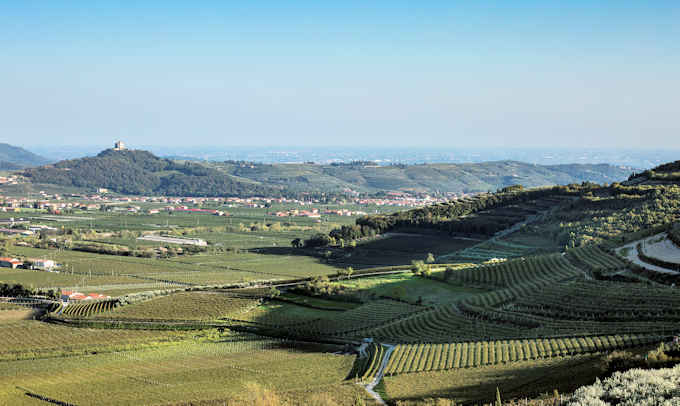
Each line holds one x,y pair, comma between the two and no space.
379,375
635,258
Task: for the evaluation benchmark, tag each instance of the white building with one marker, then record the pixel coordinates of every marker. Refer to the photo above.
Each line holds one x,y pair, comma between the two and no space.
43,264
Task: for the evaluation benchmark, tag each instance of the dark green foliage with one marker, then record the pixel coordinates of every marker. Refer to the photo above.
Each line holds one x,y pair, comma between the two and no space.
500,211
674,234
317,240
140,172
17,290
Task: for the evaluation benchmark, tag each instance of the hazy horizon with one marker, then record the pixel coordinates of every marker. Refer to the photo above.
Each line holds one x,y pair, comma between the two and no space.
640,158
433,74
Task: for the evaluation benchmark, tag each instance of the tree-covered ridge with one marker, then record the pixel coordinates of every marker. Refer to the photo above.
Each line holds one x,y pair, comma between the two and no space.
140,172
662,174
483,214
12,157
568,216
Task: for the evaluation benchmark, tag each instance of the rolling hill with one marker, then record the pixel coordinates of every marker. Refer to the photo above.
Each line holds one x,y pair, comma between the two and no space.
452,178
140,172
666,174
12,158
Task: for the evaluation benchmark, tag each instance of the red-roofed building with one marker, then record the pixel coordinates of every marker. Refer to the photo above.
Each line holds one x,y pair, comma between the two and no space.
10,262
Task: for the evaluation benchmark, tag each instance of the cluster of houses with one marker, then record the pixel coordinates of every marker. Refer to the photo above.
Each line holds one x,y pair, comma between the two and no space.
32,263
187,209
174,240
9,180
70,295
315,213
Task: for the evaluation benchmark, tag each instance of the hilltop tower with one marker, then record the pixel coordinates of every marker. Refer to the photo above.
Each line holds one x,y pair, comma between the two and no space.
119,146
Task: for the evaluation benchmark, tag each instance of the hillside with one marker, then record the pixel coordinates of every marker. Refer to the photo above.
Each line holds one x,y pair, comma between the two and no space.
140,172
666,174
452,178
12,158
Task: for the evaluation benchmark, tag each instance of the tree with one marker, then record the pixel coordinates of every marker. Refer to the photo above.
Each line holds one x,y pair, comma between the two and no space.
5,247
273,292
430,258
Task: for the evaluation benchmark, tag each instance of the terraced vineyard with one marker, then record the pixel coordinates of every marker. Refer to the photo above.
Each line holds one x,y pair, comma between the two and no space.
184,306
436,357
518,271
439,324
595,259
89,308
368,363
355,321
602,301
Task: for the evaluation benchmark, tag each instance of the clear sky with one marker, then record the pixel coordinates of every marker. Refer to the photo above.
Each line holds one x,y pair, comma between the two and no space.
318,73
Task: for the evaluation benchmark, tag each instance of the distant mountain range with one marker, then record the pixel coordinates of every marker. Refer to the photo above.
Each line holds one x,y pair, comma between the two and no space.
12,158
140,172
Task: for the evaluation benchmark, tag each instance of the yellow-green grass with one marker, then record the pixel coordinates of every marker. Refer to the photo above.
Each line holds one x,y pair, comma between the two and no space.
411,288
16,314
11,306
41,279
278,313
183,306
183,373
34,339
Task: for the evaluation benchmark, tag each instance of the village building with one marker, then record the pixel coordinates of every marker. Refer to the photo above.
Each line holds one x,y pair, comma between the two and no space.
42,264
13,263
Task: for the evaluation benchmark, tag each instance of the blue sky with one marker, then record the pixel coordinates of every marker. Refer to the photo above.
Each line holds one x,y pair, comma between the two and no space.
426,73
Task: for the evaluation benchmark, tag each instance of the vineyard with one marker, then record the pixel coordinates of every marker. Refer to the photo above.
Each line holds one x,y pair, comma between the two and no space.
368,363
516,272
435,357
595,259
602,301
184,306
30,339
351,322
194,371
89,308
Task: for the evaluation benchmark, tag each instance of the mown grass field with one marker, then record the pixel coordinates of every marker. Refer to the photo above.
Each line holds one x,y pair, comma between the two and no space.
411,288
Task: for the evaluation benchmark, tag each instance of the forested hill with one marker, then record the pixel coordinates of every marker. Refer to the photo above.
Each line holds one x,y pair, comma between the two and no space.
454,178
141,172
12,157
